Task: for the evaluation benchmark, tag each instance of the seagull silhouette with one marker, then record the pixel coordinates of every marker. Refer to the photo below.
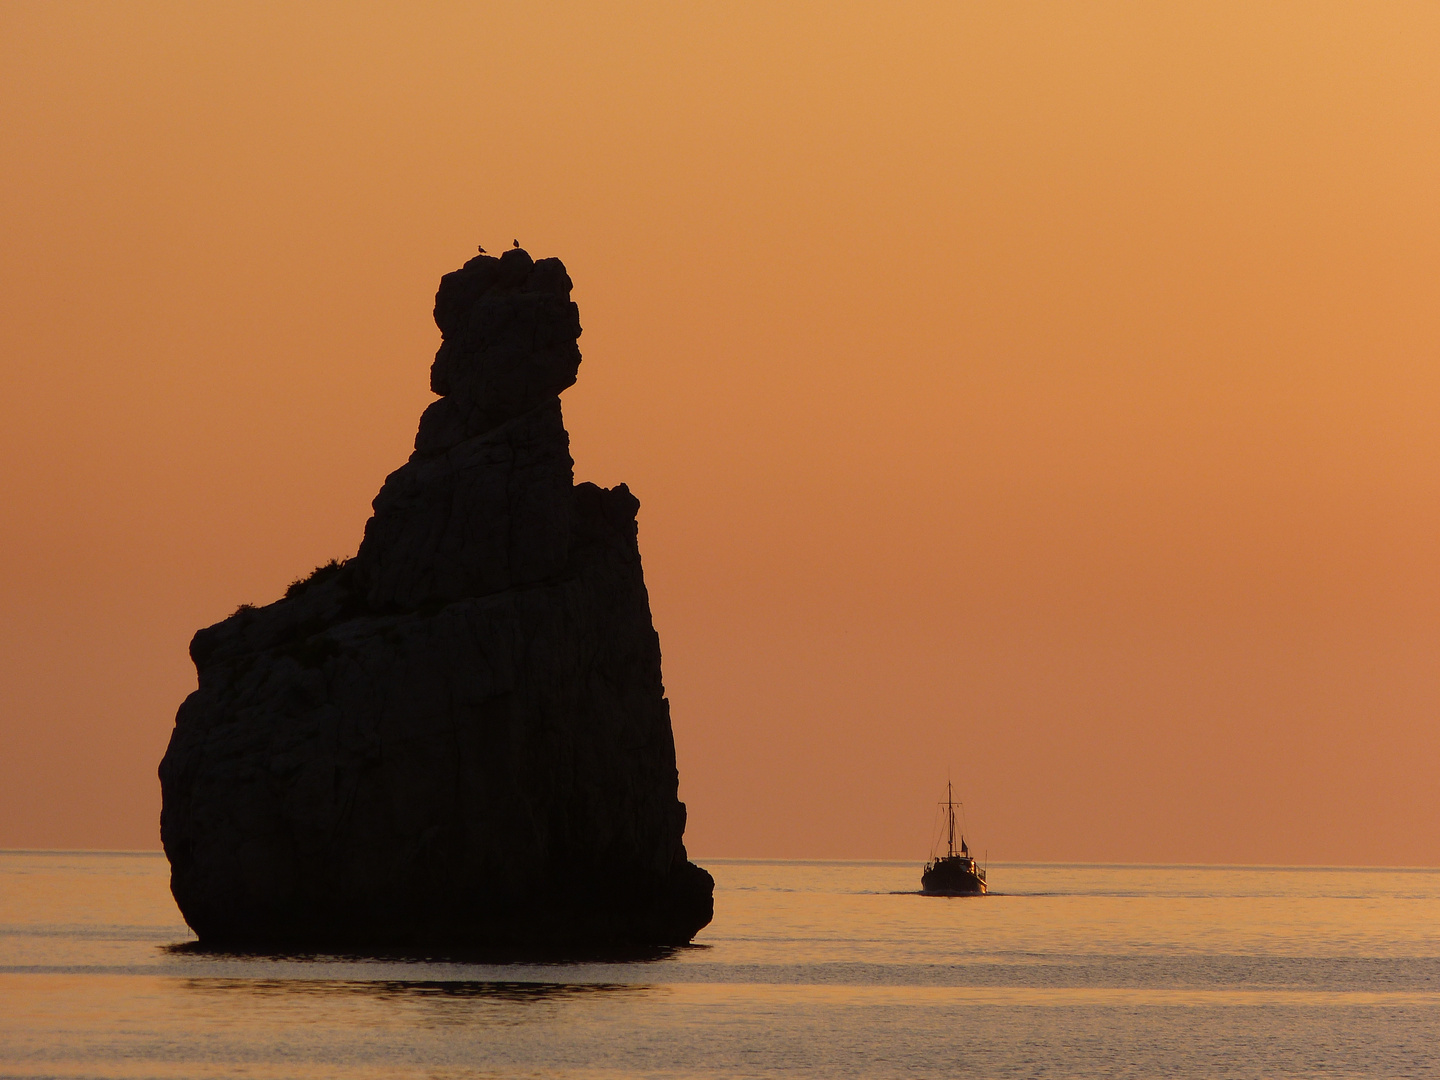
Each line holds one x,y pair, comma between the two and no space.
480,249
516,243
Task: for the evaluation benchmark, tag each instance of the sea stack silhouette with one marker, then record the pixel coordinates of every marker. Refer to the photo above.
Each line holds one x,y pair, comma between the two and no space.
459,738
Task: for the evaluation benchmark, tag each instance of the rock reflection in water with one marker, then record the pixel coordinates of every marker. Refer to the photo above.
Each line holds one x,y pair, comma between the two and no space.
395,989
437,1002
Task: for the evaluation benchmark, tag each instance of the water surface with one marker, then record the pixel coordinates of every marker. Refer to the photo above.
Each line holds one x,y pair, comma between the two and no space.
810,969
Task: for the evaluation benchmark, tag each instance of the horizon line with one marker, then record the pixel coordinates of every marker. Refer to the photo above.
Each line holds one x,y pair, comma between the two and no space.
1110,864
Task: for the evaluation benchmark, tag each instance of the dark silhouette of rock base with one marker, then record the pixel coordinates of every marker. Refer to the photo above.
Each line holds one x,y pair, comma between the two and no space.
458,738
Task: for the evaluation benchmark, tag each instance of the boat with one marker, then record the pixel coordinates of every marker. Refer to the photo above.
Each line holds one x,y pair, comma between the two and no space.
956,872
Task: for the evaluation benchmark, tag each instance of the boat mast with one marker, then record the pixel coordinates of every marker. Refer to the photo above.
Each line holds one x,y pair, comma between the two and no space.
950,808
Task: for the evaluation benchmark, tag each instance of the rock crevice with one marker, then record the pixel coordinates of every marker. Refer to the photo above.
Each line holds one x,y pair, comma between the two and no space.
460,736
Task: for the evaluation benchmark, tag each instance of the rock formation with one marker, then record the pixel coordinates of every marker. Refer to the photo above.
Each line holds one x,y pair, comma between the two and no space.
459,737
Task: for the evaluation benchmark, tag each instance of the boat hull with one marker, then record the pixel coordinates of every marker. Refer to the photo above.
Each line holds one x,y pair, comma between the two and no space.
953,877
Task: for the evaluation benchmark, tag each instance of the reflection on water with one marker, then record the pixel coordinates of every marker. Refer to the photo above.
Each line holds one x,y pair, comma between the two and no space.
507,992
424,1004
810,969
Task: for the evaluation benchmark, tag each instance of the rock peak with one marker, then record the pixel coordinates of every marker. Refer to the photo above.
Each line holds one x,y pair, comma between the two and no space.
508,342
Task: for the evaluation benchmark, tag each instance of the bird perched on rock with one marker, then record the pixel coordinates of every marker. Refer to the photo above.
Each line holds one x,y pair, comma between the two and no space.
480,249
515,243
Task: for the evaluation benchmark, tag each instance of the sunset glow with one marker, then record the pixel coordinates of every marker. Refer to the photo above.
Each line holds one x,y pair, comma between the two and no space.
1045,395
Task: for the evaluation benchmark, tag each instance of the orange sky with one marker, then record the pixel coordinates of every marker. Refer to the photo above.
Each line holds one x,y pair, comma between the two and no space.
1044,392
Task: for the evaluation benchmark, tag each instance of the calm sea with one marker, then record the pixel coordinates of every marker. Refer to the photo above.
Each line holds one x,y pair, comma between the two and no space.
810,969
